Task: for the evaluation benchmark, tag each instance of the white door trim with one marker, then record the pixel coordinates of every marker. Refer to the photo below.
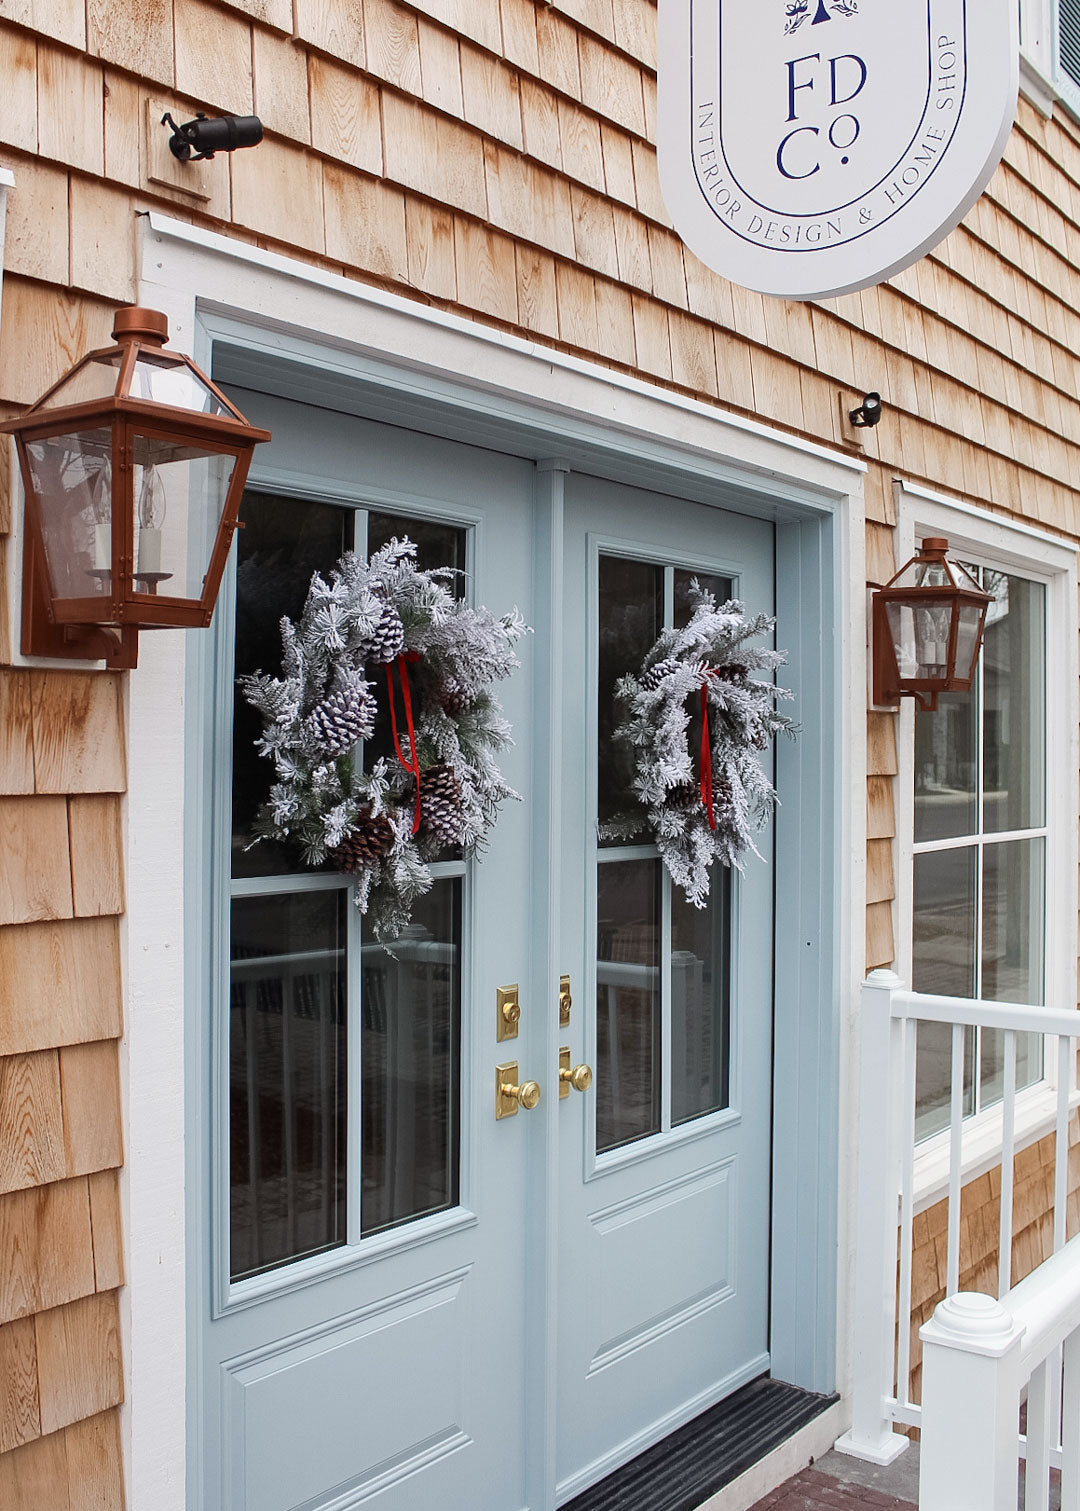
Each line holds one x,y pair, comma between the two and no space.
213,288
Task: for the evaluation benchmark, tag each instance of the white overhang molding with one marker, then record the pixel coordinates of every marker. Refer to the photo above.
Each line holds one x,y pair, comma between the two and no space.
755,446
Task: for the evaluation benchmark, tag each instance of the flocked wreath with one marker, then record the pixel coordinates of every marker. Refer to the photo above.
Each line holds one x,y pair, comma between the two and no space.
385,620
705,805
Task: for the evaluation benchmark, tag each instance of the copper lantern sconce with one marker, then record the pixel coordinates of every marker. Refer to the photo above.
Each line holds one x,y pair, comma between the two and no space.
133,466
928,625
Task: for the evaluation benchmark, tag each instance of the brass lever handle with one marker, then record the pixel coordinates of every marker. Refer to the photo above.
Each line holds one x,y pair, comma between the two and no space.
580,1077
509,1095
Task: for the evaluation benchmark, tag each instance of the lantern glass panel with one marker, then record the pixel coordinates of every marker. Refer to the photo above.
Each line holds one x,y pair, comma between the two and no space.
96,378
180,492
920,635
71,477
969,617
162,380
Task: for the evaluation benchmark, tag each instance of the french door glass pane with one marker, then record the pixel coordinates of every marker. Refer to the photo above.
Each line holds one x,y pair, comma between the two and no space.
1013,907
411,1100
437,544
945,768
283,542
287,1073
1014,697
631,615
719,587
627,1001
700,976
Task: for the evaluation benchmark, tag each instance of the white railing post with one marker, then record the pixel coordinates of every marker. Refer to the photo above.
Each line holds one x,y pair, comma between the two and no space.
874,1319
970,1406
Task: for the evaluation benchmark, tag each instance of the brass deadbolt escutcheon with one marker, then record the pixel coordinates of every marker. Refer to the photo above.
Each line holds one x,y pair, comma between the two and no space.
509,1095
566,1002
580,1077
509,1012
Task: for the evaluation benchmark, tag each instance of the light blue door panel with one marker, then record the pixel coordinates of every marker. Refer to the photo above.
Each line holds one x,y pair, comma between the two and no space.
363,1374
663,1236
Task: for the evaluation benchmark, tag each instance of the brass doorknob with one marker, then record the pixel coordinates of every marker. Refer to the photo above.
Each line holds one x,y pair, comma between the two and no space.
509,1095
580,1078
526,1095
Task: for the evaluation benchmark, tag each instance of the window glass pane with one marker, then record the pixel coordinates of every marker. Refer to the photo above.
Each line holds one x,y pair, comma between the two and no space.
1014,695
1013,909
627,1002
933,1077
437,544
411,1009
284,541
719,587
1029,1063
287,1072
943,926
945,768
631,609
700,959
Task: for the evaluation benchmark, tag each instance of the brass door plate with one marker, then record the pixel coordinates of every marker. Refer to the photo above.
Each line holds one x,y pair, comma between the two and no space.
505,1075
564,1064
508,1012
565,1001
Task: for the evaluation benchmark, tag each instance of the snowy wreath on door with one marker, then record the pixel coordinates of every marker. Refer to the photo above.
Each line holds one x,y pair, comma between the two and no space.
384,622
813,147
703,791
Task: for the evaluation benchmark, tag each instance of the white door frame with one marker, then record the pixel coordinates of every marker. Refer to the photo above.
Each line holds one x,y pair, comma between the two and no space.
421,363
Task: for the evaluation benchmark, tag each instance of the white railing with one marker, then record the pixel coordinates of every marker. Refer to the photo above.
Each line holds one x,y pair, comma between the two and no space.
978,1355
889,1019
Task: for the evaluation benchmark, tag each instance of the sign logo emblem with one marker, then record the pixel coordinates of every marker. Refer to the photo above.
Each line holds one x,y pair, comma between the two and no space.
813,147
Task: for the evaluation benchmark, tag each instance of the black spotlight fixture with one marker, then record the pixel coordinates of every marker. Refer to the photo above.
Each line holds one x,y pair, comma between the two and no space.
868,412
199,139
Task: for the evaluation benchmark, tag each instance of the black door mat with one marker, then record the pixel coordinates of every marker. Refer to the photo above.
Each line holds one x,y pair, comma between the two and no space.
699,1459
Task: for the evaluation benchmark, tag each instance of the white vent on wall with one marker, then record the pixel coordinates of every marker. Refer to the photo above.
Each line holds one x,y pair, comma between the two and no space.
1068,39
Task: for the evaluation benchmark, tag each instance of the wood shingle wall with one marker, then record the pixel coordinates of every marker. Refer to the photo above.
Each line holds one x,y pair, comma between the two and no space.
61,1261
495,158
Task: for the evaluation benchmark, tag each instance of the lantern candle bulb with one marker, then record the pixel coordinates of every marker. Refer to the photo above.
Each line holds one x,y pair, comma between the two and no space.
151,519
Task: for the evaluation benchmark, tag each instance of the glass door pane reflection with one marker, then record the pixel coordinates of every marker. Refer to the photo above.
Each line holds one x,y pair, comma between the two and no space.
409,1052
627,1002
287,1067
700,979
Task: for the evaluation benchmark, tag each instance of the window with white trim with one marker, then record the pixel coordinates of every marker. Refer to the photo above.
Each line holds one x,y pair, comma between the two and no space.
980,836
987,839
1050,43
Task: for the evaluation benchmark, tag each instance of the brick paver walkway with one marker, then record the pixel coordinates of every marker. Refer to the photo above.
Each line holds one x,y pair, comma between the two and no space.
814,1491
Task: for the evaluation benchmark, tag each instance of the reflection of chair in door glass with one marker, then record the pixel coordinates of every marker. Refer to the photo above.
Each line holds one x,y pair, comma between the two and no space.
410,1011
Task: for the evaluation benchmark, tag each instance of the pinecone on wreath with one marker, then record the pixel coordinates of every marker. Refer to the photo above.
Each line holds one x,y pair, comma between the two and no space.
652,678
387,638
363,846
440,804
344,717
685,795
453,699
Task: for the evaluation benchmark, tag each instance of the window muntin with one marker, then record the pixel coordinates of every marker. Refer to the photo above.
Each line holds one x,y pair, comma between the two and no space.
317,1007
979,874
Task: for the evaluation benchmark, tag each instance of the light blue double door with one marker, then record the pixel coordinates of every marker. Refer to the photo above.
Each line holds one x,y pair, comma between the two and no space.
402,1301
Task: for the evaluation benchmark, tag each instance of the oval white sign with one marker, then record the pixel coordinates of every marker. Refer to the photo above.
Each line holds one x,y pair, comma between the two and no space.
813,147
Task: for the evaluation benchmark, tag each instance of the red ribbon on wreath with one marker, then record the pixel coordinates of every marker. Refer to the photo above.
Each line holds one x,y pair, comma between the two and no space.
705,761
412,765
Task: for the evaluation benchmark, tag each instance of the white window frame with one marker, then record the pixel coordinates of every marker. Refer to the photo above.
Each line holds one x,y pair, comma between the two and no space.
1042,79
1016,547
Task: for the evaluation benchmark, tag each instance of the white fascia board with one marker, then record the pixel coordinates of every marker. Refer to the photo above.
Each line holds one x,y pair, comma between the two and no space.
556,381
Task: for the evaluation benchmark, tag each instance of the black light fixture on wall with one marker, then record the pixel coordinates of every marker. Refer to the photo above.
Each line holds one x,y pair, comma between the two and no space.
199,139
868,413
